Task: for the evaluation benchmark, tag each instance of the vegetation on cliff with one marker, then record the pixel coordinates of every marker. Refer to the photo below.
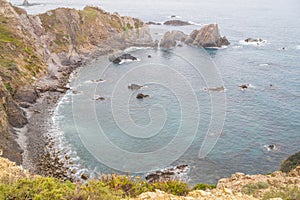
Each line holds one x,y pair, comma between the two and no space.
290,163
17,183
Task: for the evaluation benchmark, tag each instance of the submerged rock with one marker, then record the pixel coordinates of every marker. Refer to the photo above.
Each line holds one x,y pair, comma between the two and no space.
176,23
207,36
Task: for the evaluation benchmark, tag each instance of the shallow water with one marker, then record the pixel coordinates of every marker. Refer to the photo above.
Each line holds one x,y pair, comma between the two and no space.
258,116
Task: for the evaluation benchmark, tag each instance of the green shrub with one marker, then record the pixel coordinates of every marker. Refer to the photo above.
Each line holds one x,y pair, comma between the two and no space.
204,186
39,188
173,187
251,189
9,88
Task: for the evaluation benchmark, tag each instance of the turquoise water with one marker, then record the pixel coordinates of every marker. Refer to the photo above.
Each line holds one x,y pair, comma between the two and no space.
258,116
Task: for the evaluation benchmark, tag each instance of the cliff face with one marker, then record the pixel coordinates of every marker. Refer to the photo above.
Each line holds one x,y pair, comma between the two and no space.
32,47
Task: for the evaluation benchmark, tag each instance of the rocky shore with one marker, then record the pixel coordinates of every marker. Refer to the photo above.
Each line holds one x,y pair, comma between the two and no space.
45,50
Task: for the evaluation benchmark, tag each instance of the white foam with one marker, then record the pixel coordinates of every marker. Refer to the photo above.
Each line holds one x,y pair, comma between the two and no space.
127,61
194,23
258,43
237,47
298,47
222,47
130,49
264,64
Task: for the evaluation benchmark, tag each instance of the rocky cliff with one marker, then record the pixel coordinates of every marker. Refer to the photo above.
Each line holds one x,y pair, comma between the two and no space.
34,48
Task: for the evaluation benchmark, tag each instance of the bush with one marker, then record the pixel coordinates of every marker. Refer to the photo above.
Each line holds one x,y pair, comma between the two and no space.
290,163
39,188
204,186
173,187
288,194
251,189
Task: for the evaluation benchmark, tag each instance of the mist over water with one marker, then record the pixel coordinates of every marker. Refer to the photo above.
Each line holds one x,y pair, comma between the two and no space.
256,117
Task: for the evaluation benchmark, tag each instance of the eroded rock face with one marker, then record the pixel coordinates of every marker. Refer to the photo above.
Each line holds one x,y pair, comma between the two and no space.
169,39
207,36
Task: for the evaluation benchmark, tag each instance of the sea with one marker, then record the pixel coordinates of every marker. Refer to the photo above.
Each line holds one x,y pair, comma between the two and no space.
187,118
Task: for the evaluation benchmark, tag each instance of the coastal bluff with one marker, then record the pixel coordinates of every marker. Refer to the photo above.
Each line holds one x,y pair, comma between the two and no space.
38,53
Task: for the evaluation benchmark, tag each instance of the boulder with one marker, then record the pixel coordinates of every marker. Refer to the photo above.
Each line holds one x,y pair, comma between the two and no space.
169,39
176,23
26,94
207,36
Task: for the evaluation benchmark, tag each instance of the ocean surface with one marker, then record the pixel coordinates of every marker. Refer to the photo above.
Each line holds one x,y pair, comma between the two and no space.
232,128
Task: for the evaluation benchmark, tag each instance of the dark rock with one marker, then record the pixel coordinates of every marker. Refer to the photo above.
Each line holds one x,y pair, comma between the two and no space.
84,176
173,16
26,94
176,23
253,40
174,173
149,56
207,36
244,86
153,23
24,105
119,59
179,45
169,39
141,96
271,146
100,98
133,86
290,163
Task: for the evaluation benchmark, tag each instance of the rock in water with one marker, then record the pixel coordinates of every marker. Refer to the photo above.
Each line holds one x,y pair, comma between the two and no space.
141,96
153,23
253,40
133,86
176,23
207,36
169,39
25,3
175,173
120,59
